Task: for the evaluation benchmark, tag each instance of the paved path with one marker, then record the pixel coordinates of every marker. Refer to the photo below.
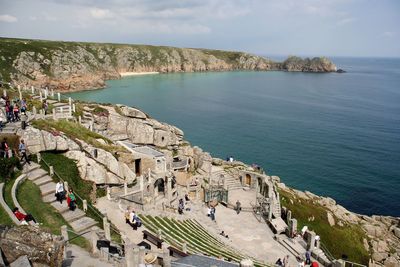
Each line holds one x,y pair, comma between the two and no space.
78,257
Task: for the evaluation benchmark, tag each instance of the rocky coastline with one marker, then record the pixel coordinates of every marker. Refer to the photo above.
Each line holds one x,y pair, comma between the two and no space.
72,66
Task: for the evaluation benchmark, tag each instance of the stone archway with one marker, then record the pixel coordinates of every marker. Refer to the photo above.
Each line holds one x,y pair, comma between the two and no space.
160,185
247,180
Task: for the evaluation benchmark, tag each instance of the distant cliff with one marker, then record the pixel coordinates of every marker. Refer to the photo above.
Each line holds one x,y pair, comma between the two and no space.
72,66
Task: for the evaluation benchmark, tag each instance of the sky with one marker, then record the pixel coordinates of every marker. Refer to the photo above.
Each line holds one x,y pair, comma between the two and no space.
359,28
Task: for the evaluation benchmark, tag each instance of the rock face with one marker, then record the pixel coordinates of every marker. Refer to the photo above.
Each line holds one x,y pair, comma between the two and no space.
40,247
73,66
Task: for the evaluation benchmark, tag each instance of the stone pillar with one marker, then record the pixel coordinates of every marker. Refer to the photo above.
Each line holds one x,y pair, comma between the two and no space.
311,241
166,256
84,205
317,243
141,182
292,227
246,263
52,92
39,157
66,186
169,190
33,90
58,97
64,233
73,108
51,170
141,254
288,216
125,188
54,114
184,247
338,263
104,254
46,93
93,239
107,230
80,119
20,94
108,193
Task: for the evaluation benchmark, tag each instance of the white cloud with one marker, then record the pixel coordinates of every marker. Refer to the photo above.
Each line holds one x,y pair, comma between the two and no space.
345,21
8,18
99,13
389,34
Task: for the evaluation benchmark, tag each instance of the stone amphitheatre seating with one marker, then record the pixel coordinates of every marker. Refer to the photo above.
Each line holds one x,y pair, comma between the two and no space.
198,240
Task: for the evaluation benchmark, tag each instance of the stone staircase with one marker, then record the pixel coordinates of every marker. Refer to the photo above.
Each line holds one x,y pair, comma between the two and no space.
11,128
231,182
77,218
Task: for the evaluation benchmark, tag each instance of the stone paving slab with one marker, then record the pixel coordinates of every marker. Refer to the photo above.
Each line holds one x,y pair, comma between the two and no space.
29,168
49,198
60,207
82,224
49,188
36,174
71,216
43,180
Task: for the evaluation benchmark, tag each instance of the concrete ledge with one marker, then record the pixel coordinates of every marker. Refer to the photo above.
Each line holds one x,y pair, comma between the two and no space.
6,207
19,180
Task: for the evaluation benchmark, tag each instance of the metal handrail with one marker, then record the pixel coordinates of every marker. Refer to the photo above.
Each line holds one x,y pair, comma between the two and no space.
88,204
328,254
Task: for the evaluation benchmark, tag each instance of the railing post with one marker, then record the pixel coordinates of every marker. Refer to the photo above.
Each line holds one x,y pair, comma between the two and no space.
52,92
66,186
70,111
69,101
141,254
51,170
46,93
64,234
33,90
84,205
40,95
4,93
184,247
39,157
54,114
166,257
246,263
125,188
80,119
73,108
159,233
58,97
108,193
94,238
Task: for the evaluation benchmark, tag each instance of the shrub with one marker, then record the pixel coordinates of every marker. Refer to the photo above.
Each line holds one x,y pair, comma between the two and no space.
8,166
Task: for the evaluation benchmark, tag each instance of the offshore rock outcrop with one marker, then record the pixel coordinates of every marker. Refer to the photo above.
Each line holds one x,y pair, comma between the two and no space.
71,66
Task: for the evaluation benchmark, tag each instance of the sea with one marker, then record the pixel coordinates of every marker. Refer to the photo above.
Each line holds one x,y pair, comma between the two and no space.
335,135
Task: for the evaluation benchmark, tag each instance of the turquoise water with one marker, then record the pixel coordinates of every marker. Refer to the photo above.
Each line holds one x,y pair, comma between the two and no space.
336,135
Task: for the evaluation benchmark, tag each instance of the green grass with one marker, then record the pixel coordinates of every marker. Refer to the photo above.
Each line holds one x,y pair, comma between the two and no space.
29,197
66,168
4,219
76,131
339,240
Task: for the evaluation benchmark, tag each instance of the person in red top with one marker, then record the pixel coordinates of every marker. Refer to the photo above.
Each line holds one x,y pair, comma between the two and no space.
22,217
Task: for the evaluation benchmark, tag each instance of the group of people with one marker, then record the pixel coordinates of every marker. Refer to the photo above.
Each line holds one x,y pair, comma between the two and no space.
61,195
132,219
14,109
6,151
300,261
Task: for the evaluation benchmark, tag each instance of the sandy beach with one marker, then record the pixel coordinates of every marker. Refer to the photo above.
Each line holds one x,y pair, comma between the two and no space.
123,74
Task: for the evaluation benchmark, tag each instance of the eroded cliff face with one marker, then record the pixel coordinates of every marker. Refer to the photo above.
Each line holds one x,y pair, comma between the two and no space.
71,66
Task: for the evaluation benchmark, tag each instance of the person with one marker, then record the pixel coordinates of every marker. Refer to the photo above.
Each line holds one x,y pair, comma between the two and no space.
300,262
181,206
279,262
286,261
71,200
22,150
8,111
212,214
60,192
223,234
308,257
45,107
209,211
187,197
22,217
16,112
238,207
149,259
4,148
24,118
23,105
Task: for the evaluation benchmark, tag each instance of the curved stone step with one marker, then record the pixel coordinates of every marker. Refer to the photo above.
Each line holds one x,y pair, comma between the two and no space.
71,216
83,224
30,168
60,207
49,188
43,180
36,174
50,198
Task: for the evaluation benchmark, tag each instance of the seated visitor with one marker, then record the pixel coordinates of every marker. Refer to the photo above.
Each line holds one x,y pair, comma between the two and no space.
279,262
24,219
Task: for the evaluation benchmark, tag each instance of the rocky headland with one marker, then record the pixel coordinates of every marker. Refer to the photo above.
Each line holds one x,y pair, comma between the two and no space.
73,66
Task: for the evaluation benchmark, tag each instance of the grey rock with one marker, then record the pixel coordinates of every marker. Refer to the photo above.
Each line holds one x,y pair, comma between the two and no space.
22,261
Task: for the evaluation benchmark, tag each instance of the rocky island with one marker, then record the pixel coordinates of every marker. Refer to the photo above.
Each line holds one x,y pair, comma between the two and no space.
73,66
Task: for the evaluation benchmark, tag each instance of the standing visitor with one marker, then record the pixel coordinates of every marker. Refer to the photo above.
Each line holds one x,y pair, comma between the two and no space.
60,192
23,105
279,262
16,112
45,106
71,200
4,148
286,261
24,118
212,214
22,150
238,207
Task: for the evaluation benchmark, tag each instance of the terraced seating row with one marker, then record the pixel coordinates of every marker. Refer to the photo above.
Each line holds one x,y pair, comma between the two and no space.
198,240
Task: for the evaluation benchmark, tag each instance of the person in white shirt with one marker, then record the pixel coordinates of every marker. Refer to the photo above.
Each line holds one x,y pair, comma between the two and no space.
60,192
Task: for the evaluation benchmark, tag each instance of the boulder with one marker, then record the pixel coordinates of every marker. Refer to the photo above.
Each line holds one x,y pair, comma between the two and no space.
39,246
22,261
331,220
396,232
132,112
379,256
391,262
